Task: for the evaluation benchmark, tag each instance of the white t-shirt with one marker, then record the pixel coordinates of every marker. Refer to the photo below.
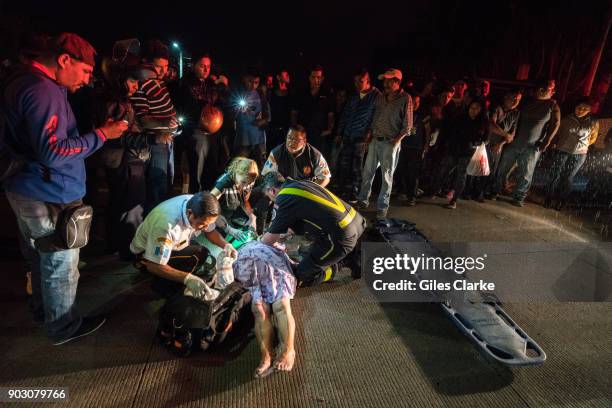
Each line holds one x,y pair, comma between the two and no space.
164,230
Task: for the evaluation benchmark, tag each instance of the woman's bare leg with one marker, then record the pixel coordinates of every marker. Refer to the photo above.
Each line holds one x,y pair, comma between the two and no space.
264,332
286,328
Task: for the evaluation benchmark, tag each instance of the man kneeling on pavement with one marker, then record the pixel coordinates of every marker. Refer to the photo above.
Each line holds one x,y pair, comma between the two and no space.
162,246
307,208
163,242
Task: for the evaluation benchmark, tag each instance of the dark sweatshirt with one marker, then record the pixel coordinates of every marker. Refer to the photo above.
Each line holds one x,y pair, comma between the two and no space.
467,134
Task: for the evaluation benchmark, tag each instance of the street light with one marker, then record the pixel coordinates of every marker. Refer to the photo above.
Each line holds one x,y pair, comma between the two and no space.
178,47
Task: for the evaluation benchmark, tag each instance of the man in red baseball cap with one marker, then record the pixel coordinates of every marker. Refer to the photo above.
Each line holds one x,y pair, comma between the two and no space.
37,121
74,60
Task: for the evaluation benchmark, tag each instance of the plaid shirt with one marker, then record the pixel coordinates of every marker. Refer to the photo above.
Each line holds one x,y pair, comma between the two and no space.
393,119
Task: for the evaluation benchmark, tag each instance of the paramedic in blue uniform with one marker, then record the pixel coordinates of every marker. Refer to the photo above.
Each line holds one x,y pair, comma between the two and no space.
305,206
168,243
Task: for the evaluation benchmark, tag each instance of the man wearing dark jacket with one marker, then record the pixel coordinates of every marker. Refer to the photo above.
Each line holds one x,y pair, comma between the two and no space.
39,121
298,159
307,208
196,91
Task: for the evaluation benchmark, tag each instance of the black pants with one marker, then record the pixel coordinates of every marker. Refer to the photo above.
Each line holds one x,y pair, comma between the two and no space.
158,175
127,199
410,164
352,155
327,251
203,155
187,260
459,164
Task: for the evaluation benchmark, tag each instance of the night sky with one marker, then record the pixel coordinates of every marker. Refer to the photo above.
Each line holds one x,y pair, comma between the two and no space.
450,38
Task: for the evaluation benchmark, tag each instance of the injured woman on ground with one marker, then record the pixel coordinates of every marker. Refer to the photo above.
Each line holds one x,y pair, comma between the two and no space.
266,271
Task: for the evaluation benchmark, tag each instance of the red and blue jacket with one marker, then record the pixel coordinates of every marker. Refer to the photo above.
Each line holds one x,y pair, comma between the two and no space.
43,126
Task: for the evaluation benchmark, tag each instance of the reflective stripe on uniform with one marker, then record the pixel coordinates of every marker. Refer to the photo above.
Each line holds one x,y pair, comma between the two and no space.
336,204
329,274
348,218
325,255
313,224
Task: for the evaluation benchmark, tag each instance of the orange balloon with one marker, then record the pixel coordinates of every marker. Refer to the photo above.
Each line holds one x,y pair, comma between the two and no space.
211,119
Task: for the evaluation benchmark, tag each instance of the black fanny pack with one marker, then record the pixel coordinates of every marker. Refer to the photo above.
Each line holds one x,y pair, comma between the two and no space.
72,224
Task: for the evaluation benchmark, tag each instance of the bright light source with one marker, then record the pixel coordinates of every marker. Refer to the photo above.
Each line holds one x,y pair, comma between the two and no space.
175,45
181,119
242,103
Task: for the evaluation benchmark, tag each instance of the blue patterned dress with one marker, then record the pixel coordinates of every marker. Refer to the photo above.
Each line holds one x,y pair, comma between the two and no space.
265,271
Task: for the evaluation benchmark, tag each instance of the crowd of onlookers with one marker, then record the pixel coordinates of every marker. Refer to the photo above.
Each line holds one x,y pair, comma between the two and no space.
152,131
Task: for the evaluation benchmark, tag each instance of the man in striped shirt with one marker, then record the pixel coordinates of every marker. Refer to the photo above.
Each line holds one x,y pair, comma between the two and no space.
392,122
155,111
352,131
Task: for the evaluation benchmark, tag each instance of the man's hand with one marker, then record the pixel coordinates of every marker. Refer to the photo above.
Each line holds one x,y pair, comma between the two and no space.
269,238
542,146
396,141
196,286
326,133
222,79
113,129
509,137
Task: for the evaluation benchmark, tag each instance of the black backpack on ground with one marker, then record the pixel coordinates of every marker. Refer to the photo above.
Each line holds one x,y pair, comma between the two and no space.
187,323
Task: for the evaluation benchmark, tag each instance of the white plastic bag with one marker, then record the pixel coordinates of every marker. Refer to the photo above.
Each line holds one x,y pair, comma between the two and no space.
479,163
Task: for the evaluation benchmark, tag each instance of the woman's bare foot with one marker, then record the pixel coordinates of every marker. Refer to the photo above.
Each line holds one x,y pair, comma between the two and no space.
265,367
284,362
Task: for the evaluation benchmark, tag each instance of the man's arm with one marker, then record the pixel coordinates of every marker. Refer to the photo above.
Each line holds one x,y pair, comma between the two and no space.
323,182
165,271
322,174
216,238
407,124
194,284
46,123
553,127
270,165
494,127
140,102
594,133
269,238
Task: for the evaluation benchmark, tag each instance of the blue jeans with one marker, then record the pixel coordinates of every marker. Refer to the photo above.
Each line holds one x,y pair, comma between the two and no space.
385,155
564,168
54,274
526,159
